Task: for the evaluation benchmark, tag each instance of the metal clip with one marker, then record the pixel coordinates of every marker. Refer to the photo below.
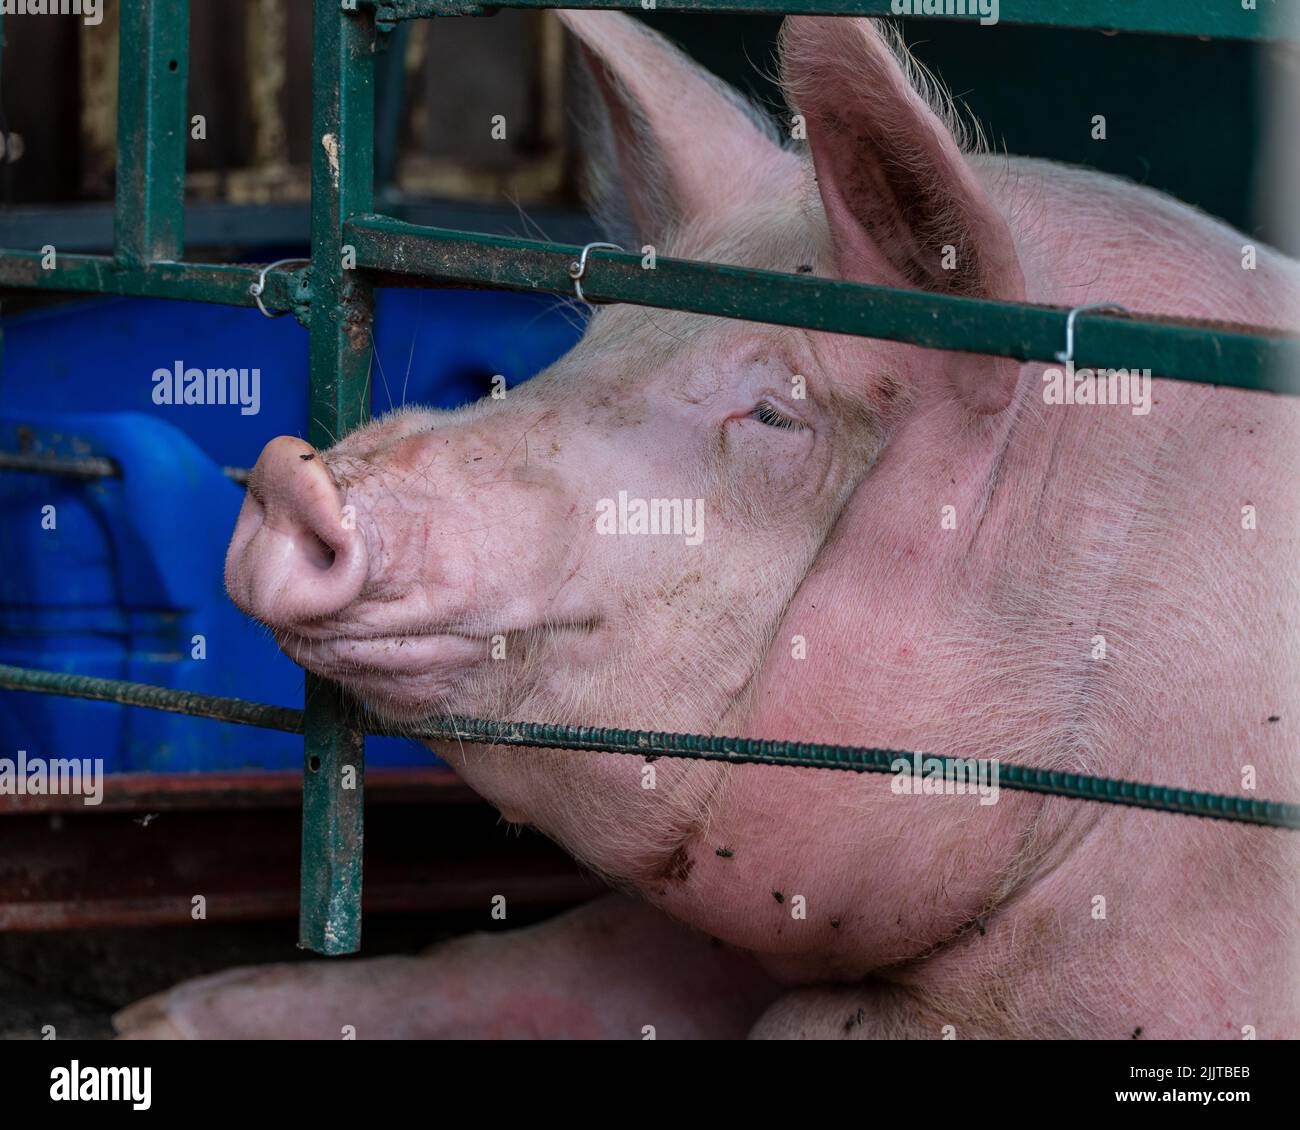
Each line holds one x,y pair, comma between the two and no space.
258,288
578,268
1067,354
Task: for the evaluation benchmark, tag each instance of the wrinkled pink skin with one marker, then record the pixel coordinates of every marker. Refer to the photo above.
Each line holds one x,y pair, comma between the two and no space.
1071,522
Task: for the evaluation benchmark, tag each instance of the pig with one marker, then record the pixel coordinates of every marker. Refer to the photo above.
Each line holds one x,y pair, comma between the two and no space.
893,546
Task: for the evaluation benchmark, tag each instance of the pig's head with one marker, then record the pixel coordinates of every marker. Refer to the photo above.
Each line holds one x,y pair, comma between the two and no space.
490,560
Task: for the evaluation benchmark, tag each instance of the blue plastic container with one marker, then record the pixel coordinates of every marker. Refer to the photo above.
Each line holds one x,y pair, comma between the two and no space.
122,578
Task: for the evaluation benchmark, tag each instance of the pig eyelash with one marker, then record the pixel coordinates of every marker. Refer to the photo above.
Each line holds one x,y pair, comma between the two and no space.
765,413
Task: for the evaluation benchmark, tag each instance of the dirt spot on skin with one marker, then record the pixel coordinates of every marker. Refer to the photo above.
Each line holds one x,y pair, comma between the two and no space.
678,868
1275,717
1136,1033
724,853
778,896
835,923
308,457
855,1020
689,581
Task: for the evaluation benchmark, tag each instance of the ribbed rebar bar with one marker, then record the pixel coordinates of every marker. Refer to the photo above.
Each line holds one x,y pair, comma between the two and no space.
703,747
235,710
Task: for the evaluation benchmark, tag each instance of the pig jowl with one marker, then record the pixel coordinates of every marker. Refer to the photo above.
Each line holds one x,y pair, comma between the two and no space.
695,524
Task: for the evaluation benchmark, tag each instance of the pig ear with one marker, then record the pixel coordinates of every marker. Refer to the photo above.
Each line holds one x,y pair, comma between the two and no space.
667,141
904,205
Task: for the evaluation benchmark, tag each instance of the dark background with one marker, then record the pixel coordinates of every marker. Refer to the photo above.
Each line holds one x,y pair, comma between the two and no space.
1182,114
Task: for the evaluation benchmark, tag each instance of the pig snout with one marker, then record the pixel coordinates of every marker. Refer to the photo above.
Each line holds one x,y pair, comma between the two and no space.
293,558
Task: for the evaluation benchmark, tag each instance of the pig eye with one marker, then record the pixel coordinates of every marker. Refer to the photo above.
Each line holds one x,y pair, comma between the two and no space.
764,413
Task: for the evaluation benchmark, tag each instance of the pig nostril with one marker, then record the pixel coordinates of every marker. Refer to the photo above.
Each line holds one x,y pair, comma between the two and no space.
293,557
317,552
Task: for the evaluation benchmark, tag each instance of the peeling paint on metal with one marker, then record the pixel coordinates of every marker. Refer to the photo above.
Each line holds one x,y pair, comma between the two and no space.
330,143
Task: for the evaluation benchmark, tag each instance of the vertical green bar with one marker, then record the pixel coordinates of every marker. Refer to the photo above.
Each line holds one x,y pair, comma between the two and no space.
342,185
153,70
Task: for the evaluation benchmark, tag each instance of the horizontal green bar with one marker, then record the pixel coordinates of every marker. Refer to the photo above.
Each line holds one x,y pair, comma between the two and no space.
1260,362
89,467
234,710
704,747
196,282
1219,19
864,759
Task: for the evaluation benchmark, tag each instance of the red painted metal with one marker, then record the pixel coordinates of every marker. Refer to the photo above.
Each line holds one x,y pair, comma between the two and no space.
161,840
249,789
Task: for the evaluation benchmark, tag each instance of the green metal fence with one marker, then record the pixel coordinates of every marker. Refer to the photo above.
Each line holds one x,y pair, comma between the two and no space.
335,305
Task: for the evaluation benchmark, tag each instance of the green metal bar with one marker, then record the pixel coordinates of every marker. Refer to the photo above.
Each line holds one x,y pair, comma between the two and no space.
195,282
340,318
861,759
153,69
1220,19
702,747
146,695
87,468
1261,362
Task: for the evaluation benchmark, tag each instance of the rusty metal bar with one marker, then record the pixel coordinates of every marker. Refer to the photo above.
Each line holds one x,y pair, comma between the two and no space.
142,862
243,788
340,319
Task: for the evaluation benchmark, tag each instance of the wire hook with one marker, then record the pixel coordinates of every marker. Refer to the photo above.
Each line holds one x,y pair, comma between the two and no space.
1067,354
258,288
578,268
